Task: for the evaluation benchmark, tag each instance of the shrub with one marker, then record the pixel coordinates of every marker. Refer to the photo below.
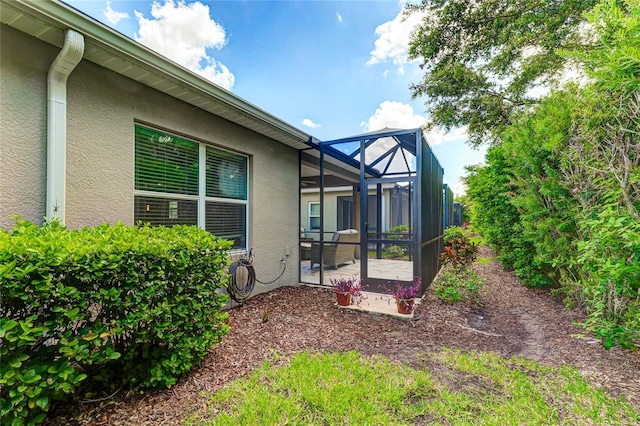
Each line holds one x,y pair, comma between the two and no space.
459,251
398,232
120,305
456,284
455,232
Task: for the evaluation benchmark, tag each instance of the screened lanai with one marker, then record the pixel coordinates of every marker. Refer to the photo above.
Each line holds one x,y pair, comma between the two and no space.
371,206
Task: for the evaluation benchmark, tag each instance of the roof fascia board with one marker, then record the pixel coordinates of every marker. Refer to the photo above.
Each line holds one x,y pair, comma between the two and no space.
58,13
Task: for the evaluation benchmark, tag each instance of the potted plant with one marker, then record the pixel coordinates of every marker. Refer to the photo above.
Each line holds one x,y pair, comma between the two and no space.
405,295
348,290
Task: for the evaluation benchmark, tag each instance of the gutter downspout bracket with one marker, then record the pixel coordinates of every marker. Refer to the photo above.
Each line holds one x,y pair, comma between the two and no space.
66,61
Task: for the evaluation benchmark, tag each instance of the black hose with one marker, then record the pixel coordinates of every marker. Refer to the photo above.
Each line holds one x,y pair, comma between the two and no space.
243,279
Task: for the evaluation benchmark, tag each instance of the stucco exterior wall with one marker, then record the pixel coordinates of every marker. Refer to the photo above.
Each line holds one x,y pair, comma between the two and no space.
102,109
330,211
23,131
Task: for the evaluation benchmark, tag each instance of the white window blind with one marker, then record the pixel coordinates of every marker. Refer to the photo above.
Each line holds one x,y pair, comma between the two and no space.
226,174
165,163
167,191
228,221
165,211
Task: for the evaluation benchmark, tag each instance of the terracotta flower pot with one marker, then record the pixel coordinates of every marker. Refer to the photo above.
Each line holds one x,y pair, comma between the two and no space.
405,306
344,298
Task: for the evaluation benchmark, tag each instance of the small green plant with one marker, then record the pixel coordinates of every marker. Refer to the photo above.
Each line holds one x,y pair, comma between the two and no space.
455,232
396,251
457,284
459,252
399,232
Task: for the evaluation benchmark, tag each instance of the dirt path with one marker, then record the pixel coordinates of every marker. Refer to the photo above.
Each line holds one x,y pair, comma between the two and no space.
511,321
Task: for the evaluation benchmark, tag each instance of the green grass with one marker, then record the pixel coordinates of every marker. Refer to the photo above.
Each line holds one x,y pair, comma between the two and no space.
478,240
485,260
447,387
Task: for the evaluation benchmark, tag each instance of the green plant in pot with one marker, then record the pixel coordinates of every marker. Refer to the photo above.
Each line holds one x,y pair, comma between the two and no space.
348,290
405,295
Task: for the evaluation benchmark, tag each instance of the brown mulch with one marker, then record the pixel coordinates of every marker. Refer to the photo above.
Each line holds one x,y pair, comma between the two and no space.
511,321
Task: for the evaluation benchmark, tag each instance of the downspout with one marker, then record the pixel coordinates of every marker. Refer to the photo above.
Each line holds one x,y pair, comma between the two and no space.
62,66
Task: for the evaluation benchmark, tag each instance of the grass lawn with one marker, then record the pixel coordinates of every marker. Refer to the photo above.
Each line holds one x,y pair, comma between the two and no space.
448,387
478,240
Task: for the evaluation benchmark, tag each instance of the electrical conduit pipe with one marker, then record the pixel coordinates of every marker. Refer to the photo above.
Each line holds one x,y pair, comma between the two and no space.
62,66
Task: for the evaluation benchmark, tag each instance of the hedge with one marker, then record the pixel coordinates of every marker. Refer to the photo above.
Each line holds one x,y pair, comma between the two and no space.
123,306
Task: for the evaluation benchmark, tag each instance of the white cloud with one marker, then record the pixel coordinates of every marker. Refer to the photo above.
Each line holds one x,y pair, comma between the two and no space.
339,16
385,73
112,16
459,188
393,39
310,124
183,32
394,114
437,137
398,115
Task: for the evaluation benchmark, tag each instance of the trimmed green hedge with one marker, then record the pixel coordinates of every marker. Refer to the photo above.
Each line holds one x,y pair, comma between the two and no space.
134,306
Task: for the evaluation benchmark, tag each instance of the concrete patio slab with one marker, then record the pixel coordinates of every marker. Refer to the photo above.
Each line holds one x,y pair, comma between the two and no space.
387,269
376,304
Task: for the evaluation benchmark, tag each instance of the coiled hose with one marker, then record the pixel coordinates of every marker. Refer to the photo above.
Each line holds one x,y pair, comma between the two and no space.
242,278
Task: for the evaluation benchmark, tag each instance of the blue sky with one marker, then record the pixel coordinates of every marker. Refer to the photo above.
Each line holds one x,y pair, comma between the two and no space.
331,68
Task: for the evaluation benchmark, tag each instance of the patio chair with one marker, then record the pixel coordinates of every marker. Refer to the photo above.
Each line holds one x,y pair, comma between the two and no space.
305,245
334,253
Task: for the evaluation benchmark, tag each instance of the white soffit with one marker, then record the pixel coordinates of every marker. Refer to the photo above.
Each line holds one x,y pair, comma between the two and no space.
48,20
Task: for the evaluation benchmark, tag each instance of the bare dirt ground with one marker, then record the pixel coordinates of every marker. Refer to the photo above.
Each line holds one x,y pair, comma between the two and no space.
511,321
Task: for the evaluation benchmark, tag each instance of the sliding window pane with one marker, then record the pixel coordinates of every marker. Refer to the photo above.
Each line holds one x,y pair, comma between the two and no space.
226,174
165,211
228,221
165,163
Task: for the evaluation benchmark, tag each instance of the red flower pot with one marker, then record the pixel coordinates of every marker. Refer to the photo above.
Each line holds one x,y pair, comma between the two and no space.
344,298
405,306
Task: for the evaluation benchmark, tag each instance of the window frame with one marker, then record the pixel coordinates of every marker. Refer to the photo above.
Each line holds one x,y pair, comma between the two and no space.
310,216
202,199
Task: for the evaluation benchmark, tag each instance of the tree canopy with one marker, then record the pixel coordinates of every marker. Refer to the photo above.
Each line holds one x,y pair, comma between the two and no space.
481,59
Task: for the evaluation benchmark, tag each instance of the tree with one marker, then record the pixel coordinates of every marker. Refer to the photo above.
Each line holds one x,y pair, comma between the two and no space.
559,197
491,187
482,58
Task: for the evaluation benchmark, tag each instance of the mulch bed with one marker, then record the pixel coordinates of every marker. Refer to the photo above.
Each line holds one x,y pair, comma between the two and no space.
511,321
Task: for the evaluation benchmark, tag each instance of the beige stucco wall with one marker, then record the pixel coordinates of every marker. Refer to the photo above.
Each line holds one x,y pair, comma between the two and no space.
330,211
102,109
23,132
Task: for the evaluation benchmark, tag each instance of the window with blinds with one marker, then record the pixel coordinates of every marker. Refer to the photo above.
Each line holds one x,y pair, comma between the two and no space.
226,174
165,163
167,190
165,211
228,221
